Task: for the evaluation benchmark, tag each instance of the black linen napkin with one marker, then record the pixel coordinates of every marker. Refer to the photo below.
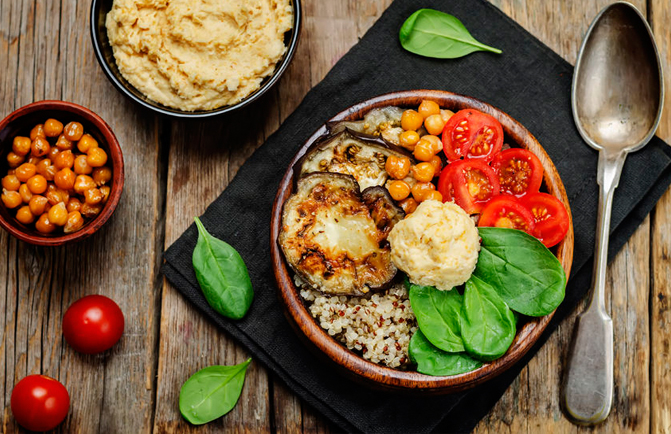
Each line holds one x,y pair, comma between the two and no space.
529,82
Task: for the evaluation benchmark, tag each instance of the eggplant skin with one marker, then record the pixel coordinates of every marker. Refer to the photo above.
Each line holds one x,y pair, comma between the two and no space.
383,209
330,239
351,153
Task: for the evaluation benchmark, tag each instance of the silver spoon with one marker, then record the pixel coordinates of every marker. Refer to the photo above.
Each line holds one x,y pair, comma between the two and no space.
617,103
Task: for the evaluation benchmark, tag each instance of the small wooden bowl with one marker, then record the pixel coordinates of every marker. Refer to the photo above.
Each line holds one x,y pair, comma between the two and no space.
347,361
20,122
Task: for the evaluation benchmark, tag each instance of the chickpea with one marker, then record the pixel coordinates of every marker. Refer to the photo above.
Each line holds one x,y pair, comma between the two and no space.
42,166
81,166
33,159
424,150
25,193
11,199
11,183
434,124
90,211
102,175
73,131
93,196
74,204
14,159
63,144
409,205
86,142
428,108
44,225
65,159
83,183
105,190
37,131
397,167
411,120
58,215
434,195
399,190
65,179
446,115
53,127
38,204
436,143
37,184
57,195
24,215
40,147
96,157
420,190
25,171
437,164
21,145
74,222
408,139
53,152
50,172
423,172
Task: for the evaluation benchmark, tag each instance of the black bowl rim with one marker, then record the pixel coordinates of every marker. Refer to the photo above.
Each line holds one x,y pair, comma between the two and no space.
164,110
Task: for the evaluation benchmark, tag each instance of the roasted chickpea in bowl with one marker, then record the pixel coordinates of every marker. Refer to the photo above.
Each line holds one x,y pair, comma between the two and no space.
61,172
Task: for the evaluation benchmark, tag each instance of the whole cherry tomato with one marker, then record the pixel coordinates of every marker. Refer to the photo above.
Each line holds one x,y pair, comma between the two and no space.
93,324
39,403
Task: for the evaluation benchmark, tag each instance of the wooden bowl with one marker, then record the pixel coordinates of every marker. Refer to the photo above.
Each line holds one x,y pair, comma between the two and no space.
20,122
380,376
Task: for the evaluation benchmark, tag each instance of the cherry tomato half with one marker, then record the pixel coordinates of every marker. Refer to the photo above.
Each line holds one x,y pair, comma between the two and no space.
520,171
470,183
550,217
93,324
472,134
39,403
506,211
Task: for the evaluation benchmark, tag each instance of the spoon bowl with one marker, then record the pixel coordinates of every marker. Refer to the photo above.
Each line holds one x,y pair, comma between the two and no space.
617,99
617,85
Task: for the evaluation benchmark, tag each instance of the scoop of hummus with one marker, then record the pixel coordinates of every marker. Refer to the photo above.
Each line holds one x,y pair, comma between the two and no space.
197,54
437,245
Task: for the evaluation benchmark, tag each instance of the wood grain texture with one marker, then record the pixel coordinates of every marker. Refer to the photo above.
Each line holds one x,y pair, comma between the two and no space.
175,168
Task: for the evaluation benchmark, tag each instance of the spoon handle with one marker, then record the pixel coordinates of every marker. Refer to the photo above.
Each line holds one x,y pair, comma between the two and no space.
588,382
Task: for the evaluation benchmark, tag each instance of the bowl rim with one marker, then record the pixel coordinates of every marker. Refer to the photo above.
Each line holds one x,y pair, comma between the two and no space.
123,86
115,154
382,376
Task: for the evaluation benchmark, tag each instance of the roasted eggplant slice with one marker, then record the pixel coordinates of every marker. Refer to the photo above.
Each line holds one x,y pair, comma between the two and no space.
330,239
373,123
350,153
382,208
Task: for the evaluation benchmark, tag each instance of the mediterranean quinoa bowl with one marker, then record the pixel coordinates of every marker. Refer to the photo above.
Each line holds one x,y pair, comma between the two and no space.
388,259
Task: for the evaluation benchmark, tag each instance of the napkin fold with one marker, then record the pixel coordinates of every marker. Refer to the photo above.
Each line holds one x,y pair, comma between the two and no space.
528,81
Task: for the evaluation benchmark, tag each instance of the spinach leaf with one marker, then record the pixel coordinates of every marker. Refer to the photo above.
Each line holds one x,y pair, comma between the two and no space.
432,33
432,361
527,276
437,314
487,324
222,275
212,392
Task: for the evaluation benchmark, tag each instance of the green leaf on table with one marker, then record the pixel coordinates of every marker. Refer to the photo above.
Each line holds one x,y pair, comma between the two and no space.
487,324
212,392
433,361
222,275
527,276
432,33
437,314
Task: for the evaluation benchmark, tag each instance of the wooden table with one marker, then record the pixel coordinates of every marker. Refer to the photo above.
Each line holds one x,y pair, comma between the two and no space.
174,169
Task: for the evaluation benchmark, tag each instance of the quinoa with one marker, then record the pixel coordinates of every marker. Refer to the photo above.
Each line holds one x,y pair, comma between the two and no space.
378,327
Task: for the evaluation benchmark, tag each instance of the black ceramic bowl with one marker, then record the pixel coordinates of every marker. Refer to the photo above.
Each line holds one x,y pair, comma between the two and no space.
103,50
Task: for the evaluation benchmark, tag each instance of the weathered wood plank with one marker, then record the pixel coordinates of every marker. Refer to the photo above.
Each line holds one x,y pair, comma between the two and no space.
660,314
49,56
531,404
